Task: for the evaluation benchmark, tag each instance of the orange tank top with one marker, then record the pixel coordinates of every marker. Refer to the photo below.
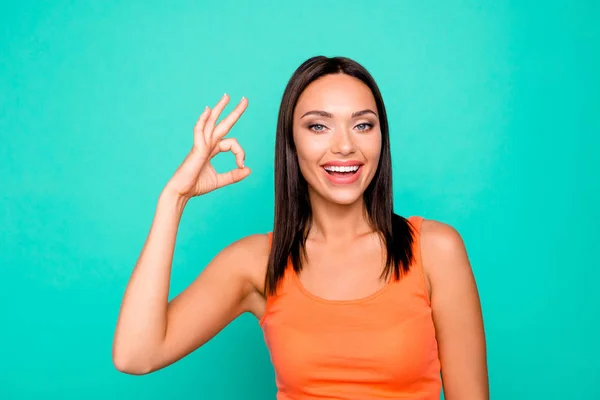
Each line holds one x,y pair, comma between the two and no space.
378,347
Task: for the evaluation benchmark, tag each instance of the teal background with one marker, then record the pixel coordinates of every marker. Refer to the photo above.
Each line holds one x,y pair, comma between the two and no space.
493,108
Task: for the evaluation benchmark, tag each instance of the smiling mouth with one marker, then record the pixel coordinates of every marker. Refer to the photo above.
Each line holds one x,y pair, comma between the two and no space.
341,171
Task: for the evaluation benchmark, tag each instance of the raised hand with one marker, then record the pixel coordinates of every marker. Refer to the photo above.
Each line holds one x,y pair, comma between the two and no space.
196,176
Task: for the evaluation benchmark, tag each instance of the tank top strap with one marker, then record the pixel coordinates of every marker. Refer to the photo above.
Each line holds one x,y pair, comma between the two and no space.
284,285
288,269
285,278
416,223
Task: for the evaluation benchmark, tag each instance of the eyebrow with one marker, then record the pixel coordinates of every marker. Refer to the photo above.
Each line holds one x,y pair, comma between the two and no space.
329,115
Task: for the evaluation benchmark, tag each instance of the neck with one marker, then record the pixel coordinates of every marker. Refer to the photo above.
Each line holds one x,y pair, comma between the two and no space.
337,222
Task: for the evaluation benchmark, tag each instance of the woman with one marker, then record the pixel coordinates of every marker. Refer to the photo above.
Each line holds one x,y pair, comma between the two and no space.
355,301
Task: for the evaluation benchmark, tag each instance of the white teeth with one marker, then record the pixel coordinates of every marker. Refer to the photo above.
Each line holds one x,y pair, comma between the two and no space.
332,168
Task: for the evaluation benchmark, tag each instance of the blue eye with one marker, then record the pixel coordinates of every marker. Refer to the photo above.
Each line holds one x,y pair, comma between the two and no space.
317,127
364,126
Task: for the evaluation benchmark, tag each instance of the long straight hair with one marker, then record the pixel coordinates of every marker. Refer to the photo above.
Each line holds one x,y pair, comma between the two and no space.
293,214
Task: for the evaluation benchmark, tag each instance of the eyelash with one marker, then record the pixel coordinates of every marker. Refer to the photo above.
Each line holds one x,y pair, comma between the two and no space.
368,125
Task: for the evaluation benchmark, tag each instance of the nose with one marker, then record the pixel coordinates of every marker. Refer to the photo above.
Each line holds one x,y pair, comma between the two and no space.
342,142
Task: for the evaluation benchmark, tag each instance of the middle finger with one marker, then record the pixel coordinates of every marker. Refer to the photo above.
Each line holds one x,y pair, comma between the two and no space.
225,125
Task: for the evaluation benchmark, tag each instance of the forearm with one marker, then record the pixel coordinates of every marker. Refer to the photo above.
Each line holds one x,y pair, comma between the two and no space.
142,322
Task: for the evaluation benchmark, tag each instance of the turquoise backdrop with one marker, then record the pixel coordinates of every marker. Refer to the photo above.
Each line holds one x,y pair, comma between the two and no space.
494,113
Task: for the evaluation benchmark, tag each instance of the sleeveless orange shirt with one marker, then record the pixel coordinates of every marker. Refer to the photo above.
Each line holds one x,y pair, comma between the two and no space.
378,347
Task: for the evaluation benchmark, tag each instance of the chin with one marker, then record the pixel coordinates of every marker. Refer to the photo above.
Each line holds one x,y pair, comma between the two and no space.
343,197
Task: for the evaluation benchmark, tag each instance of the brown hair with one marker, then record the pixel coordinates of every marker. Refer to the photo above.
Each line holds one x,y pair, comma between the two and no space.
293,213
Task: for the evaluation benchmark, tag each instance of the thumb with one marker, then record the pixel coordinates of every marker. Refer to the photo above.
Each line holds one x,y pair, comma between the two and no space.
233,176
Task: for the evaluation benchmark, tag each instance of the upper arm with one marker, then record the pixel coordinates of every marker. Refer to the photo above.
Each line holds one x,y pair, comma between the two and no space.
456,312
217,296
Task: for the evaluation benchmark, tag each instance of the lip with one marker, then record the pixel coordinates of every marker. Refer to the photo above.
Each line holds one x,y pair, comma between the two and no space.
342,180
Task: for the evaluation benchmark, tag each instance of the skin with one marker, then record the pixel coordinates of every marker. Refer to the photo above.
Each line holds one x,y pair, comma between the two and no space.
344,256
325,130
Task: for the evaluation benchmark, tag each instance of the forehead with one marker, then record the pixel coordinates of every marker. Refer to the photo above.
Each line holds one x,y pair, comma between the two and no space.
337,94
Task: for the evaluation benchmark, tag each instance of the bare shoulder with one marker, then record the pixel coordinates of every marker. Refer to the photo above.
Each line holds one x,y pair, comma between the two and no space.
443,252
438,236
256,244
249,255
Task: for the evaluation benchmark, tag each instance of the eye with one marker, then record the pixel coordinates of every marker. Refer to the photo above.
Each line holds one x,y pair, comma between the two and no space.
365,126
316,127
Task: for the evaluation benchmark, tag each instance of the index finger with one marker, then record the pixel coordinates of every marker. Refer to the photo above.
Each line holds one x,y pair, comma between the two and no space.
225,125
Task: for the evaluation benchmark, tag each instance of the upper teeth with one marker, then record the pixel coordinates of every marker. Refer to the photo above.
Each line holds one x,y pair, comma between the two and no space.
352,168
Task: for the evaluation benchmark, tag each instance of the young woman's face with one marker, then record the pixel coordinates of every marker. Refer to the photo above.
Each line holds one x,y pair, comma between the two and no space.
337,137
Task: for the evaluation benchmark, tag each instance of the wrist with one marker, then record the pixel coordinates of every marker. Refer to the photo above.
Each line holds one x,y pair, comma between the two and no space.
172,199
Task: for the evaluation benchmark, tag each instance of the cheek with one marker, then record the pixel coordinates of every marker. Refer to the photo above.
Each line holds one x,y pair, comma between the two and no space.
371,148
309,150
304,156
